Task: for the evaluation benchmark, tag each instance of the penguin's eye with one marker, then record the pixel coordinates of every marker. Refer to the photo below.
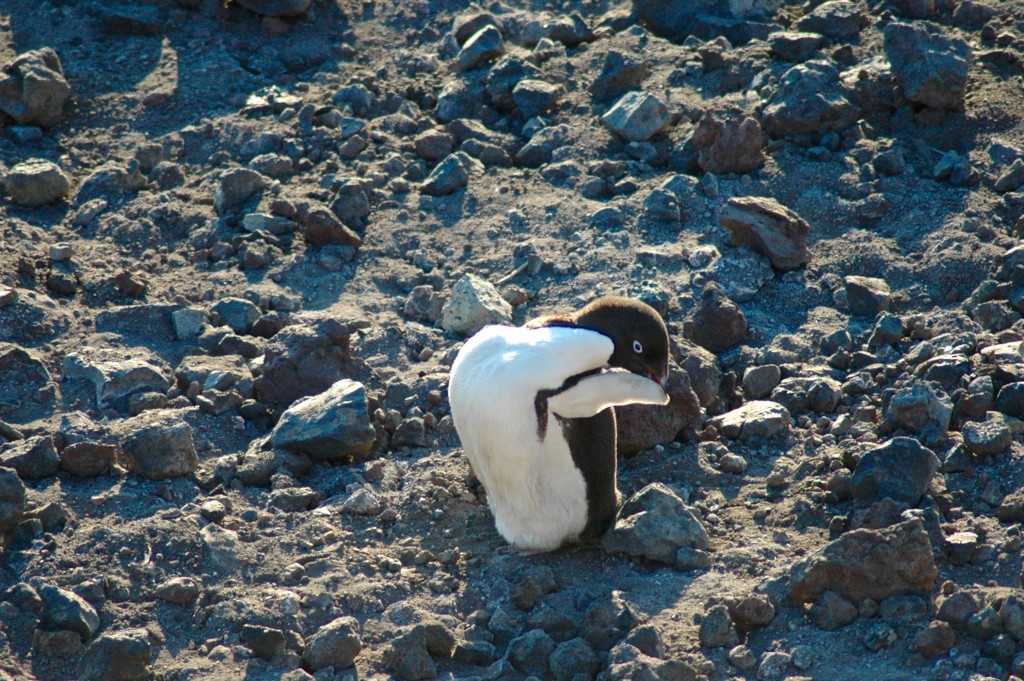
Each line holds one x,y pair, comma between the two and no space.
638,347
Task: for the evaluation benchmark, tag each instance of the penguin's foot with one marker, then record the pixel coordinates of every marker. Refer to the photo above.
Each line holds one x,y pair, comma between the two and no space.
519,552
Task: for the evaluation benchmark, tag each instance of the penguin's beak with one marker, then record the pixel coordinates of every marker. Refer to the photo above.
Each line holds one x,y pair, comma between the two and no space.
660,380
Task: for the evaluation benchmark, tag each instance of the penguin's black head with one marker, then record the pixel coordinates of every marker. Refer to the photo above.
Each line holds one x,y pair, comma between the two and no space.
639,334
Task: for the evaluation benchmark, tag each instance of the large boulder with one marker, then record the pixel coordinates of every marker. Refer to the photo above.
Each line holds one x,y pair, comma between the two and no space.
930,65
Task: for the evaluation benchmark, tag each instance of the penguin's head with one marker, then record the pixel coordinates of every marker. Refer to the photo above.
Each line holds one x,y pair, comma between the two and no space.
636,329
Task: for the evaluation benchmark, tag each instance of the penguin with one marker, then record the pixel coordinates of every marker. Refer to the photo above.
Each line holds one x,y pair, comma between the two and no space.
534,409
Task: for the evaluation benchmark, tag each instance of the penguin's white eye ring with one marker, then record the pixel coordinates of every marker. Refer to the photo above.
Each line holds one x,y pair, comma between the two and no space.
638,347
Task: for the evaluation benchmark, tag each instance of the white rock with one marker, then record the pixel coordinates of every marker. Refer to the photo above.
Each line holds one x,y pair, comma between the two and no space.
472,305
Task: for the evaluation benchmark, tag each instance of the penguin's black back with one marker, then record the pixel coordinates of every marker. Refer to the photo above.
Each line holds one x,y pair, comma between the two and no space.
592,443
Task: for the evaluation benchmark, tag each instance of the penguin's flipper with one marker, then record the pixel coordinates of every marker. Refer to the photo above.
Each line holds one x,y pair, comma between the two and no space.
611,388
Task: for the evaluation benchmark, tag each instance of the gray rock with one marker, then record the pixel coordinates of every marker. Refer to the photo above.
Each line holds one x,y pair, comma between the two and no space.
423,304
929,65
332,425
238,314
716,629
34,457
626,663
542,144
728,142
866,296
795,46
608,621
116,379
1011,508
87,459
923,408
717,324
808,393
449,175
620,72
774,665
265,642
741,273
36,182
831,611
362,501
838,19
473,304
178,590
258,223
215,372
766,226
989,437
64,609
351,203
759,381
236,187
759,418
573,657
23,383
655,524
12,499
305,358
33,90
644,426
973,14
647,639
1012,178
484,45
407,657
810,100
534,97
110,180
117,656
503,77
159,445
433,145
222,546
889,329
464,26
637,116
868,564
531,652
1010,399
900,469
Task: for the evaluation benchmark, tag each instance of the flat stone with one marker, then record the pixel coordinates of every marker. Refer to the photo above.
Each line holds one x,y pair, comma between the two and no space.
332,425
655,524
116,379
36,182
766,226
868,564
758,418
473,304
159,445
636,116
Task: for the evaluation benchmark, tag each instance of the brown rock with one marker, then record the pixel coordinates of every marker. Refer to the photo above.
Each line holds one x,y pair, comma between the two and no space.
728,142
643,426
868,564
87,459
717,324
935,641
766,226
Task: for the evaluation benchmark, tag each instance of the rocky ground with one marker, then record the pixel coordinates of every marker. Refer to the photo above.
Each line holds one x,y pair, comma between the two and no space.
243,241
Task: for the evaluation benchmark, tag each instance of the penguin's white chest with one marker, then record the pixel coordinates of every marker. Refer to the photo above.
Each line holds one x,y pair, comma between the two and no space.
537,494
